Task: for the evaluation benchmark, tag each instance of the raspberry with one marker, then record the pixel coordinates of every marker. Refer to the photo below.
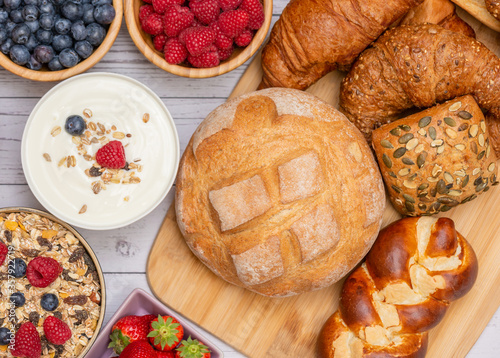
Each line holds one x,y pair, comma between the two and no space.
56,331
145,11
42,271
176,19
147,1
233,22
206,11
161,6
207,59
229,4
244,38
224,54
255,10
4,251
159,41
27,342
111,155
153,24
198,40
175,51
221,41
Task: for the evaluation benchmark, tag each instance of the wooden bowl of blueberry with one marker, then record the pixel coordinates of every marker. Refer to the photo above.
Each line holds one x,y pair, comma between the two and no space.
51,40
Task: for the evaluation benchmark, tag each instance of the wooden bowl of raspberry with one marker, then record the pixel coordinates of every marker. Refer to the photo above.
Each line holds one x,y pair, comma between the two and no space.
198,38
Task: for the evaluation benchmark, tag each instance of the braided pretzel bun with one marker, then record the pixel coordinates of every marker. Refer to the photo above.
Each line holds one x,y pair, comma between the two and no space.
419,66
414,270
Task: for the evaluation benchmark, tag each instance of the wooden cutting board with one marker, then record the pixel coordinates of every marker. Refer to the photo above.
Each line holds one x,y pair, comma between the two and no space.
288,327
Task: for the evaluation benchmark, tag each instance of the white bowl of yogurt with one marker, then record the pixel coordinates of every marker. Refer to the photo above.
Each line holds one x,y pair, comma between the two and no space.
61,169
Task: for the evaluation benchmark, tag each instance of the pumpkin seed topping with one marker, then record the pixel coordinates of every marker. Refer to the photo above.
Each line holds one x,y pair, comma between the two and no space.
481,155
473,147
450,121
424,122
405,127
391,174
386,144
421,159
387,161
395,132
398,153
463,127
405,138
396,189
464,115
432,133
465,182
408,161
441,187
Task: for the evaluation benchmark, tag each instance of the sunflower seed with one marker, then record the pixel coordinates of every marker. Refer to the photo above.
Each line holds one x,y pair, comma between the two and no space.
419,148
398,153
483,126
412,143
451,133
49,159
440,149
145,118
487,151
464,115
83,209
421,159
404,172
455,106
55,131
473,147
481,187
481,155
491,167
478,181
460,147
465,181
424,122
437,143
476,171
447,201
387,161
386,144
96,187
436,170
455,192
480,140
432,133
450,121
432,179
473,130
422,132
448,177
410,184
405,138
463,127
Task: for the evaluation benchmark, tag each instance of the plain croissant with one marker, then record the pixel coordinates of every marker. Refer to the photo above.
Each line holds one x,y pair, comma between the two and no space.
314,37
415,269
419,66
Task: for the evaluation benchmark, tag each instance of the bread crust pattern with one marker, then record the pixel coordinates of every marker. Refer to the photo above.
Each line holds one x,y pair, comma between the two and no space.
279,193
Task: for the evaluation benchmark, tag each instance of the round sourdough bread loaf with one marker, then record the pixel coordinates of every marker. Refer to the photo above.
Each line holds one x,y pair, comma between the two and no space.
279,193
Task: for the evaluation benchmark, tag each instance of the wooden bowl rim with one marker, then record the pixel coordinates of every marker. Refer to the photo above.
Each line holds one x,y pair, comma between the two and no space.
97,55
85,244
154,56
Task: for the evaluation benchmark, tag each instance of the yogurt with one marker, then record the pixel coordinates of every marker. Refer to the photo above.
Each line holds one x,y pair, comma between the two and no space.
56,164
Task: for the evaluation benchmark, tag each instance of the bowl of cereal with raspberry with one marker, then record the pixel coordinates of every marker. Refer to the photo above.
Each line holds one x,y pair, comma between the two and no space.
198,38
100,151
53,284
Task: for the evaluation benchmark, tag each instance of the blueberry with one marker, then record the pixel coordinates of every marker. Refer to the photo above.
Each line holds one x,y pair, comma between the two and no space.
55,65
18,299
68,57
16,16
75,125
4,16
32,43
17,267
5,47
32,2
5,336
20,34
101,2
72,11
79,31
43,53
9,26
46,7
104,14
49,302
30,13
33,25
47,21
58,2
84,49
3,36
62,26
88,14
61,42
12,4
44,36
96,34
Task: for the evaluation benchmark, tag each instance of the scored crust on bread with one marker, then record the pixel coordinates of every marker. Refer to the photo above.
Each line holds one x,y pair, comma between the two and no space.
480,10
413,272
279,193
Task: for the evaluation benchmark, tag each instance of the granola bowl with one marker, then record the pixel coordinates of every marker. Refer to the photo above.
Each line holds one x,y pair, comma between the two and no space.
61,167
79,289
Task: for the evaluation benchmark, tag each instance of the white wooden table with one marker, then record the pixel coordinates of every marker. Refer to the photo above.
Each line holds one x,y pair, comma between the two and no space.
123,252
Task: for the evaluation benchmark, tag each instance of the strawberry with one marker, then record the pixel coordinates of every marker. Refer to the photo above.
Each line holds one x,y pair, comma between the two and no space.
199,40
153,24
138,349
56,331
244,38
224,54
192,348
255,11
4,251
166,332
42,271
159,41
222,42
229,4
129,329
175,51
206,11
233,22
176,19
169,354
206,59
145,11
111,155
161,6
27,342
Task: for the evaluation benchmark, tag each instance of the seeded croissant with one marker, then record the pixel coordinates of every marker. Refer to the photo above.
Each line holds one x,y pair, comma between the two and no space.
415,269
419,66
312,38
